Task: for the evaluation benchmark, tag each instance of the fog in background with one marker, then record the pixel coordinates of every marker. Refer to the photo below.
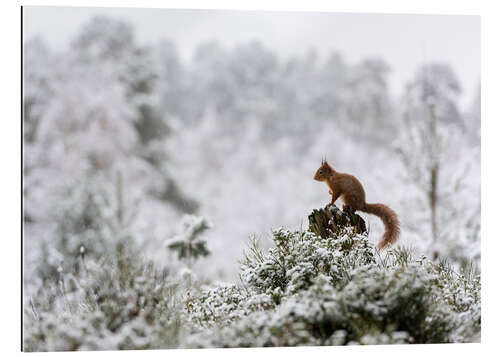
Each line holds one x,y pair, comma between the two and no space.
134,118
404,41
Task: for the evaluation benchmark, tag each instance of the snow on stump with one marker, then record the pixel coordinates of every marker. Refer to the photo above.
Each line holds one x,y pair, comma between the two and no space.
329,221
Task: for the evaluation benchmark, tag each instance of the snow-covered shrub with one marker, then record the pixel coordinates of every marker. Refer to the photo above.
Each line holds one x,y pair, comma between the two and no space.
118,302
299,257
92,289
224,304
322,291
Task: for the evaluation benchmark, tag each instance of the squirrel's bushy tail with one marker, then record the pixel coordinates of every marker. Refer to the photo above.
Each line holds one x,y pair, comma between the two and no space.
390,219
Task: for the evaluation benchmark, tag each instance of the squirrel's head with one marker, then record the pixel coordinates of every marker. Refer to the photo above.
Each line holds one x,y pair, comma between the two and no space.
324,172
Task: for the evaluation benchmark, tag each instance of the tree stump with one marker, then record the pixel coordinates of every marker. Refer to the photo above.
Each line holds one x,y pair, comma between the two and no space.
326,222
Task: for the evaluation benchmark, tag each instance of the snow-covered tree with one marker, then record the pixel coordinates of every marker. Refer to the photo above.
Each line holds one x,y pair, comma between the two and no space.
367,102
440,165
473,119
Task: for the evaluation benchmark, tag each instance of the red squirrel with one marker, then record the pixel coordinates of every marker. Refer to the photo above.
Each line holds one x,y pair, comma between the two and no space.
352,192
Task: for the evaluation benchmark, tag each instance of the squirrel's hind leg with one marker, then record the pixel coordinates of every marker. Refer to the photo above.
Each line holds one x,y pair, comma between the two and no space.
352,203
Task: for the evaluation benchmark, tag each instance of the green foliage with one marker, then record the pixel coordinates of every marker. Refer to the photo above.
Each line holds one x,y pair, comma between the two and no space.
197,249
188,244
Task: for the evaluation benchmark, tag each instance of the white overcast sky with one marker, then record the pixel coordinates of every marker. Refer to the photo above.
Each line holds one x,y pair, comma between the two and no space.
403,41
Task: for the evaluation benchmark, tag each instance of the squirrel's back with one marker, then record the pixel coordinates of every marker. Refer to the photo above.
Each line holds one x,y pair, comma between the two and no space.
351,185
